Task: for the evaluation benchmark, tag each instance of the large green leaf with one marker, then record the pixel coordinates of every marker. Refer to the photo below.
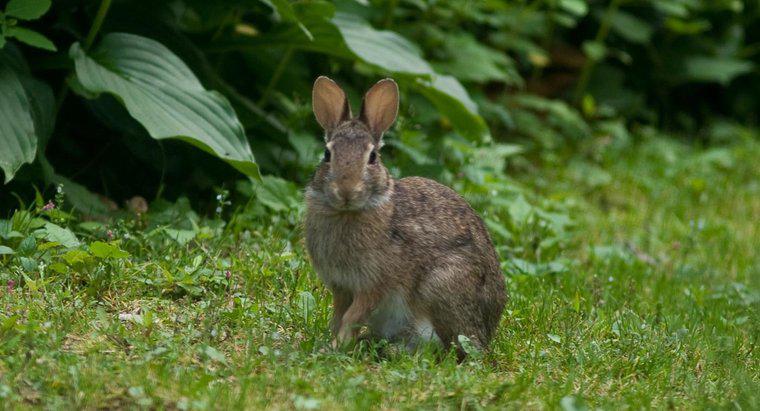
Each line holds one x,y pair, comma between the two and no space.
349,36
161,93
384,49
470,60
42,104
452,100
42,111
393,53
18,141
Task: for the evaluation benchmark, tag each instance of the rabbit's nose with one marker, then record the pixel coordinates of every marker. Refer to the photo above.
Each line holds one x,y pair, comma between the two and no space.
339,192
345,193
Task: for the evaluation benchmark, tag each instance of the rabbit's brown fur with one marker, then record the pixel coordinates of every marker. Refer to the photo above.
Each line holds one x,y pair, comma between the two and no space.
409,257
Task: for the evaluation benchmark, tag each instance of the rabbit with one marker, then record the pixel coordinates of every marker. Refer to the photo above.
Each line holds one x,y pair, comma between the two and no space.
407,258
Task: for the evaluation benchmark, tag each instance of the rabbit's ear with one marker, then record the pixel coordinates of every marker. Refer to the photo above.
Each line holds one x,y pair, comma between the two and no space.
329,103
380,107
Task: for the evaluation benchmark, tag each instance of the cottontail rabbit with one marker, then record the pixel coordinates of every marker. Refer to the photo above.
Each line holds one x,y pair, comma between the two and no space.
408,258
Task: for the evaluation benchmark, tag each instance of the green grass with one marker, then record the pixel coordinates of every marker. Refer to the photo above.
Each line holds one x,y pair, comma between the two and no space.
657,307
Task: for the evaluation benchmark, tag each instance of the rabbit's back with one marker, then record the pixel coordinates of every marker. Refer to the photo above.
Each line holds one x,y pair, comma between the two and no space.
455,275
432,220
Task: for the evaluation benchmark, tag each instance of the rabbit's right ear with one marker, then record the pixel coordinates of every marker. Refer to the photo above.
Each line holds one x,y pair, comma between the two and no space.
329,103
380,107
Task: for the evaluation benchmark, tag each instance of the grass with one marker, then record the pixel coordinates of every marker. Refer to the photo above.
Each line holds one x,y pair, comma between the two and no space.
657,305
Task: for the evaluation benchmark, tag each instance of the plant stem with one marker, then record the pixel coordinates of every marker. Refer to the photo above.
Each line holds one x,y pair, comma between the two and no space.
275,76
100,16
388,20
62,93
219,83
601,35
231,18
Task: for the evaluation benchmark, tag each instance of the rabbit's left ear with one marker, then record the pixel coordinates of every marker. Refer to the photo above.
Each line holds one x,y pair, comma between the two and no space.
380,107
329,103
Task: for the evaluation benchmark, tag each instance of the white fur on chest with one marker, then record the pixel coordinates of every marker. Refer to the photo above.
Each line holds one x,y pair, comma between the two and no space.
391,317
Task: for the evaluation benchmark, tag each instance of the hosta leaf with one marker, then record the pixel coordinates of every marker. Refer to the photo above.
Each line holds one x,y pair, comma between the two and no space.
18,141
30,37
393,53
42,104
349,36
41,108
278,194
27,9
470,60
38,93
384,49
452,100
161,93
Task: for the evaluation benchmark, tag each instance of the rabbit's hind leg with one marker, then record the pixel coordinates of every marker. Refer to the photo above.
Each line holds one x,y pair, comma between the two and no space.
451,294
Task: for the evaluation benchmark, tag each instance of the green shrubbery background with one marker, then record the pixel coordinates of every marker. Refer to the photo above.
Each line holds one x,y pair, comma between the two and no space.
481,81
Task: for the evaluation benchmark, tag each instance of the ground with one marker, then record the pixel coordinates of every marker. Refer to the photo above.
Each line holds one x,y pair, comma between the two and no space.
657,306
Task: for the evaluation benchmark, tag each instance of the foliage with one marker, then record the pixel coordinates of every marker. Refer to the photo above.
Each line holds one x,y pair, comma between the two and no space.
24,10
233,79
163,95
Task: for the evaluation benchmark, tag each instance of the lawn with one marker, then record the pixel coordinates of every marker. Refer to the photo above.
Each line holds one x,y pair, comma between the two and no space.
652,302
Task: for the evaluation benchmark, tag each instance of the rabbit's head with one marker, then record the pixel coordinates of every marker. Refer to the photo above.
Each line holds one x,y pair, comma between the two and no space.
351,175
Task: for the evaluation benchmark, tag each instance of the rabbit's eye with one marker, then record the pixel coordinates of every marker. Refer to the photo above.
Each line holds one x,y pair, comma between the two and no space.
326,159
372,157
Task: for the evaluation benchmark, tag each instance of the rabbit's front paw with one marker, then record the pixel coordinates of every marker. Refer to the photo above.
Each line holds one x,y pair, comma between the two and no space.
346,336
